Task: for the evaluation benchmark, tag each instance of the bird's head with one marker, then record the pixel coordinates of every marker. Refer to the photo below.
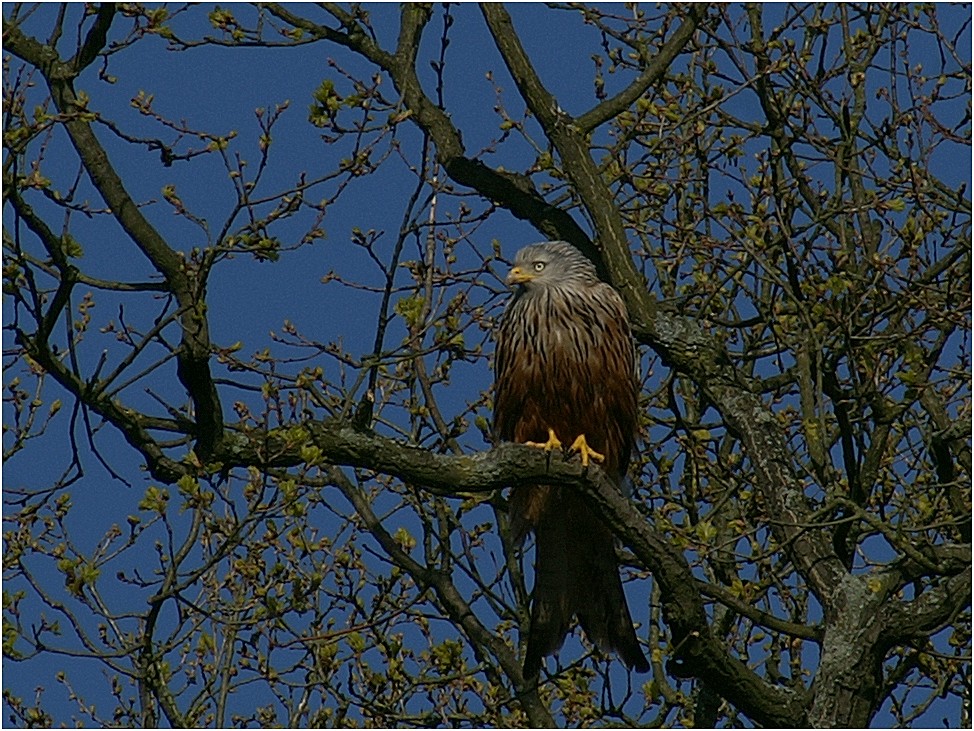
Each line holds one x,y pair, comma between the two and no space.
552,263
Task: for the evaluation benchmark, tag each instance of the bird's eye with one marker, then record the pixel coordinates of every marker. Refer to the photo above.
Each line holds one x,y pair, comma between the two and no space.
538,266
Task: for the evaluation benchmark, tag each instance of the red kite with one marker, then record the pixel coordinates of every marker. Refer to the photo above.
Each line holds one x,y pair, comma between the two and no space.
566,377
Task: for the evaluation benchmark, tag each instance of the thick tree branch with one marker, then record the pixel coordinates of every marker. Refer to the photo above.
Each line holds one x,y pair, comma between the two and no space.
934,609
685,344
678,340
194,352
758,616
576,160
697,652
513,191
96,39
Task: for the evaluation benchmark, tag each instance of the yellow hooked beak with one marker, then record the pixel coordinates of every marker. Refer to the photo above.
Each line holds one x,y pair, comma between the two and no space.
518,276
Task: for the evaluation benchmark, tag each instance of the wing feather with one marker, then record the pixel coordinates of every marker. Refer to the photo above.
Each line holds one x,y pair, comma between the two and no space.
565,360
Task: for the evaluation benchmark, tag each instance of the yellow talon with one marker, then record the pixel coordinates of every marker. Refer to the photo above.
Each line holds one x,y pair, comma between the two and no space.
586,452
552,444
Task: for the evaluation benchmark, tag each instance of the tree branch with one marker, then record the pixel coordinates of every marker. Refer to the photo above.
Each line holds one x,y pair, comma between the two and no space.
679,340
652,72
513,191
194,352
577,162
96,38
133,425
697,652
932,610
450,600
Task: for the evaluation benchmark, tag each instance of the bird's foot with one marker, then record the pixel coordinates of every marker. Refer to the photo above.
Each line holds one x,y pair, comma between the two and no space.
585,451
551,445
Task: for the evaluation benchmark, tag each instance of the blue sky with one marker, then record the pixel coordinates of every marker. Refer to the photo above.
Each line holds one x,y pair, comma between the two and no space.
217,90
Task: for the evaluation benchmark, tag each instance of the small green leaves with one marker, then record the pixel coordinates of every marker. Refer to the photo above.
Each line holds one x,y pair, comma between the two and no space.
71,246
706,531
327,102
411,309
155,500
78,573
404,539
195,496
222,19
311,455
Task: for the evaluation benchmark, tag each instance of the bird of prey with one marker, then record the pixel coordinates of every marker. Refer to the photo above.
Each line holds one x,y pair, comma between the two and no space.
565,377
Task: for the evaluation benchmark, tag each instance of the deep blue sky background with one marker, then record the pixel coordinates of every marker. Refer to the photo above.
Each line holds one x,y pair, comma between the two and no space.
217,90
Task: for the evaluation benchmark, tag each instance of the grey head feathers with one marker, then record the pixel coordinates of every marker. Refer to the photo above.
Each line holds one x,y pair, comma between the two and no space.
551,263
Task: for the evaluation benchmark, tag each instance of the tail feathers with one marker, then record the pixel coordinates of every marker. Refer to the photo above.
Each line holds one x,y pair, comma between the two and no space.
552,602
576,573
606,621
600,602
551,617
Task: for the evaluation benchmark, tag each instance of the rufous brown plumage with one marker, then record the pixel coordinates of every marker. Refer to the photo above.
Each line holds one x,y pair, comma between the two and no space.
565,377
